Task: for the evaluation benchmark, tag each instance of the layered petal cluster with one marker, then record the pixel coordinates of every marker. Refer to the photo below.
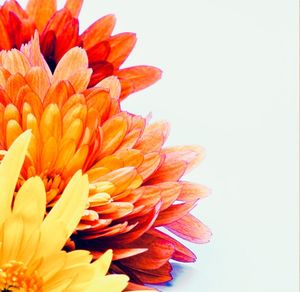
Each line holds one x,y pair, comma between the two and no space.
31,258
59,32
135,190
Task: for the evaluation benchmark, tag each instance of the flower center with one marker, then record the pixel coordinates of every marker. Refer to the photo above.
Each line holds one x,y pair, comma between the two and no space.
14,276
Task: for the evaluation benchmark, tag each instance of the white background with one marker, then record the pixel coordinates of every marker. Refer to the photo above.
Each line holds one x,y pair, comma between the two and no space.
230,84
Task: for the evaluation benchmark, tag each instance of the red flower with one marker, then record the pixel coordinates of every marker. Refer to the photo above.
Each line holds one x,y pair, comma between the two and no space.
59,32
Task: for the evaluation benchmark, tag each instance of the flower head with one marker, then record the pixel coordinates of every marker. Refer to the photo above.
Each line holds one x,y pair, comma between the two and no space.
31,258
135,190
59,32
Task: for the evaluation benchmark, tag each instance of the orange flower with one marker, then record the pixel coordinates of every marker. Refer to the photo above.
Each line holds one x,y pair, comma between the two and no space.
59,32
136,190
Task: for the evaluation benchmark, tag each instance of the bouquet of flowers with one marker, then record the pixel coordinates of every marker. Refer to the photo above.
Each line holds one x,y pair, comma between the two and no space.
90,197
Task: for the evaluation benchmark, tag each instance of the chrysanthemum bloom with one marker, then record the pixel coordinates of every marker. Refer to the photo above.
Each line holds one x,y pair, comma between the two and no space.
135,183
31,258
59,32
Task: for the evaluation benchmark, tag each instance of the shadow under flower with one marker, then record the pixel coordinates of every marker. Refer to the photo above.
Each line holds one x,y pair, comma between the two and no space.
180,271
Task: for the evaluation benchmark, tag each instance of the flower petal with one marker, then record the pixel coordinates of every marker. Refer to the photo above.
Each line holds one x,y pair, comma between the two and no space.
10,168
191,229
137,78
40,11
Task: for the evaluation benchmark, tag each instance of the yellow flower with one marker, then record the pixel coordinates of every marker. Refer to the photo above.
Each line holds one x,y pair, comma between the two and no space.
31,255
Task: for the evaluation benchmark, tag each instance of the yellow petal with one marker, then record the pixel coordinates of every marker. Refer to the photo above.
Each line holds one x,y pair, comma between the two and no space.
10,168
30,201
71,205
103,263
111,283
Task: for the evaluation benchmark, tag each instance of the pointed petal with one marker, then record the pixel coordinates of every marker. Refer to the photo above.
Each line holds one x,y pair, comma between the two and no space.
103,263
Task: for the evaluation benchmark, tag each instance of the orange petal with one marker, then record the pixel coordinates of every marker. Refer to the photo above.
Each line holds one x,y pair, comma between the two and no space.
98,31
58,93
120,178
97,172
74,60
13,130
15,62
137,78
121,46
115,210
38,80
51,125
131,157
144,224
171,170
191,229
150,164
192,155
169,193
157,276
158,253
49,153
114,131
110,162
192,192
13,85
73,131
40,11
65,154
80,79
182,253
77,161
173,213
74,6
127,252
112,84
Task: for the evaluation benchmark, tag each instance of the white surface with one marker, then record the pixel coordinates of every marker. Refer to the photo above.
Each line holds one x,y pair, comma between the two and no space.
230,84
